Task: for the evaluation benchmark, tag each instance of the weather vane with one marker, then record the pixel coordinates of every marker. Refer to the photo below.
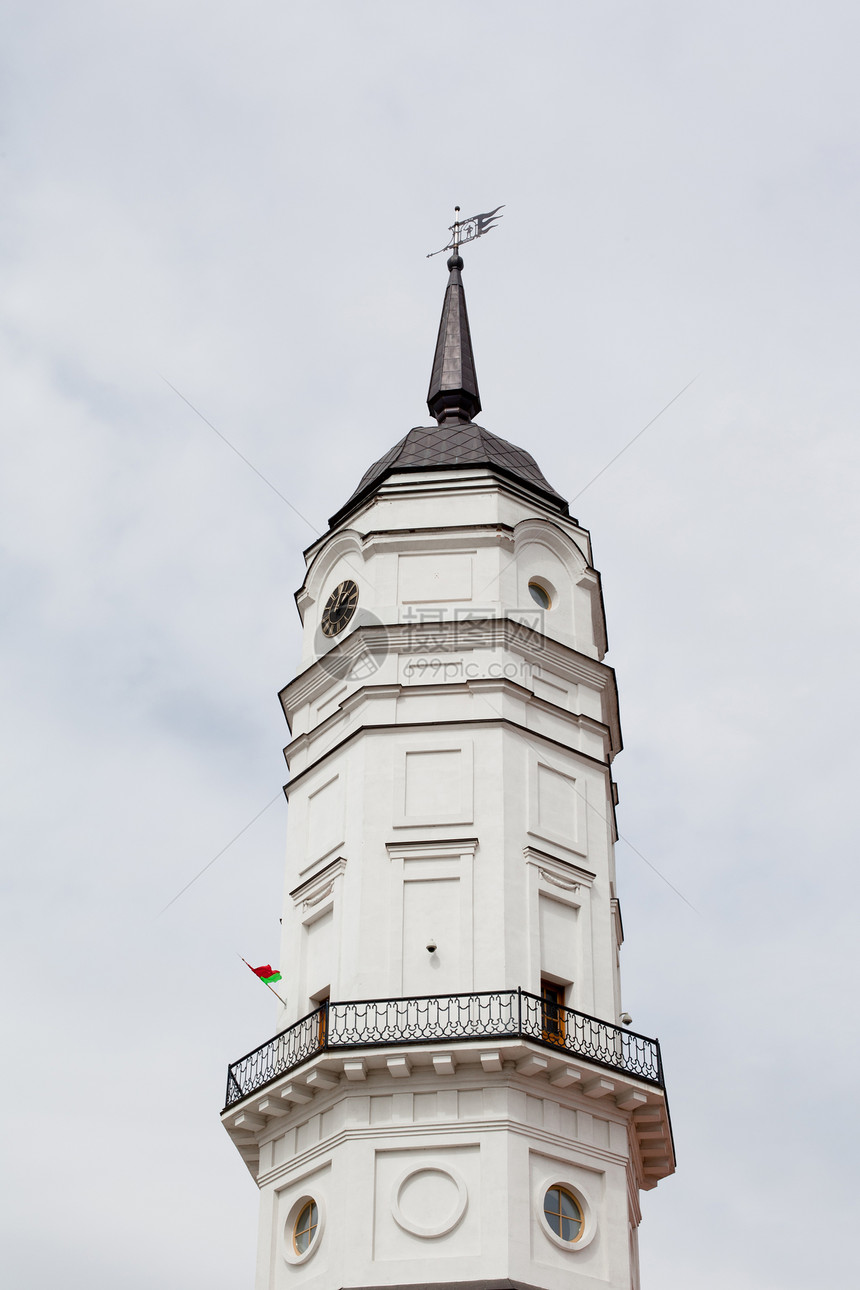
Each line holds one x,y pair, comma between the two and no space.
466,230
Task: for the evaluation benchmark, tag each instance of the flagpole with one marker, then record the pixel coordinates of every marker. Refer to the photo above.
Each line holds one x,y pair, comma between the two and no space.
265,983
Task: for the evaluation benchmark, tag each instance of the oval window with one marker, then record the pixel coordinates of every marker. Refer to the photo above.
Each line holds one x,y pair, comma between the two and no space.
540,595
563,1213
305,1227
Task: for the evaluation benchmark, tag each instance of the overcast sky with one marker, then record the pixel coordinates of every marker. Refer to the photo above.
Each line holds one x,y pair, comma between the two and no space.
238,199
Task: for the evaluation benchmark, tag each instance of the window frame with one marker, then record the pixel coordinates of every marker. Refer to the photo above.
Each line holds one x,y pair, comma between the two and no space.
312,1210
539,585
291,1252
561,1178
553,1014
578,1218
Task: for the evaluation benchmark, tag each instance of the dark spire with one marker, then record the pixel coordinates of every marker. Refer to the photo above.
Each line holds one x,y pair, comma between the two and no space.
453,393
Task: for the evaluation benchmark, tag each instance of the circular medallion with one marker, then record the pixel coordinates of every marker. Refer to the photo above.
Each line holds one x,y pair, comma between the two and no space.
429,1201
339,608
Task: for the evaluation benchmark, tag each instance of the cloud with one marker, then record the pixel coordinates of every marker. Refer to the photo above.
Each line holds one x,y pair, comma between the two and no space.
241,200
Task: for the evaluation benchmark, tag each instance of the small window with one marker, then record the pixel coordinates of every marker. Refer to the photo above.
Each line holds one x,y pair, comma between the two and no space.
320,1001
305,1227
540,595
553,1012
564,1214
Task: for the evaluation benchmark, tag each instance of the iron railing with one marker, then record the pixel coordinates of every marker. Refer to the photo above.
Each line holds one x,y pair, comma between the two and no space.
445,1018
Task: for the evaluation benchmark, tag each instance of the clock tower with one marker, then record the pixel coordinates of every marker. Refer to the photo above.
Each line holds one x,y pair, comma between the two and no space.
452,1097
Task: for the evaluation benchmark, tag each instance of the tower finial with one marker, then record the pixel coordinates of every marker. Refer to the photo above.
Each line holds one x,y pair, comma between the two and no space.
453,393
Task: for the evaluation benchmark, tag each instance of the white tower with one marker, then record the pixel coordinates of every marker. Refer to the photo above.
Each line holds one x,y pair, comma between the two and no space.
451,1098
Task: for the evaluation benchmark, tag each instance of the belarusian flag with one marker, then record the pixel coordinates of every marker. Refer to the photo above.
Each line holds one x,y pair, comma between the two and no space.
266,973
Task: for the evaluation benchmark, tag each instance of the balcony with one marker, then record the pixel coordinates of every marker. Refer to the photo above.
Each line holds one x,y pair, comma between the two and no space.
447,1019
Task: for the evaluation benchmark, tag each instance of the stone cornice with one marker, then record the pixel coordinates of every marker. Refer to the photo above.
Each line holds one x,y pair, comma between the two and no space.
491,685
463,723
451,636
444,483
437,847
557,871
449,1132
320,884
512,1065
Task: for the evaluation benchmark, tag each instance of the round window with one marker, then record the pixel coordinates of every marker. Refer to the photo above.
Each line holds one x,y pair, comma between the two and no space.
540,595
305,1227
563,1213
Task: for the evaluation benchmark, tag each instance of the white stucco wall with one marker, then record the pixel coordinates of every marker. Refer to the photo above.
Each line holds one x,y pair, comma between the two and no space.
450,830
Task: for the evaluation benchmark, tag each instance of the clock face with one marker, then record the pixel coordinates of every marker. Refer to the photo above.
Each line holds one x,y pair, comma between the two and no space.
339,608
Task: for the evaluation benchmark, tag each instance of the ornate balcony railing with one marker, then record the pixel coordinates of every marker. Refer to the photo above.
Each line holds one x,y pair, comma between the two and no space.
448,1019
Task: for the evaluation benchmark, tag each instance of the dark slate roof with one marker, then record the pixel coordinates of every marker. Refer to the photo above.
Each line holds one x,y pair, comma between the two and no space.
454,445
453,399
